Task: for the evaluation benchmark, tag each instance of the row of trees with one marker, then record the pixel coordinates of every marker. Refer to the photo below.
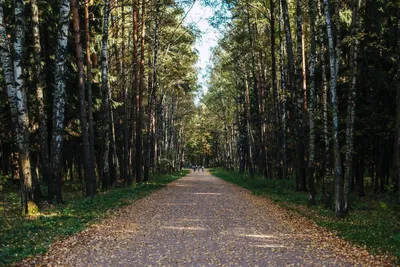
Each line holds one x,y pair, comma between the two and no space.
104,85
309,90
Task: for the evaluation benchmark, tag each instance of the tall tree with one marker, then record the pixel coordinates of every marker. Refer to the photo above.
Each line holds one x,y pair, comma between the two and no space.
90,177
351,97
127,102
59,98
42,117
13,73
89,90
22,110
135,96
333,58
139,124
299,102
311,105
105,100
396,161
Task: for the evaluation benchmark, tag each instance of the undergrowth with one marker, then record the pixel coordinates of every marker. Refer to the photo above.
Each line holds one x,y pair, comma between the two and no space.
22,237
372,223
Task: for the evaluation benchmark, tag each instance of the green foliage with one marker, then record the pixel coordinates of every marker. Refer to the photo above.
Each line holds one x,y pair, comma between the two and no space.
372,224
23,237
164,165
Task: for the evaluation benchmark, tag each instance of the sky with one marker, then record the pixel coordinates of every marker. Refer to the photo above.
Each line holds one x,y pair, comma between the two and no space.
199,15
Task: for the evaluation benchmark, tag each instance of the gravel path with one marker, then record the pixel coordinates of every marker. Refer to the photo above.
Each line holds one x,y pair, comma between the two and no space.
200,220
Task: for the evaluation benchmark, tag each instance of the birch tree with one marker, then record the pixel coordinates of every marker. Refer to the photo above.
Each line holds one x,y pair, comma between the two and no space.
351,98
42,117
105,100
59,98
334,67
16,91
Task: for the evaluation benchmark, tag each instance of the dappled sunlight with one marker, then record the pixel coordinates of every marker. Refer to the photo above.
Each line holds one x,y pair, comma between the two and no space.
258,236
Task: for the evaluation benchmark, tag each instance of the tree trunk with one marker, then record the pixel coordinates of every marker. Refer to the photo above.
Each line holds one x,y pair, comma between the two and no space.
289,52
18,101
89,93
106,100
154,135
114,175
249,144
135,96
59,95
311,105
89,170
139,124
126,99
351,97
42,118
277,135
283,95
339,194
28,203
298,105
396,160
8,69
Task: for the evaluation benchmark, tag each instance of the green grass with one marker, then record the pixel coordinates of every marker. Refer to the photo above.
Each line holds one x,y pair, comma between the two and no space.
372,223
23,237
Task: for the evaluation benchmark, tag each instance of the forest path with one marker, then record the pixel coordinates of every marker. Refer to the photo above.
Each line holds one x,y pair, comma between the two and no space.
200,220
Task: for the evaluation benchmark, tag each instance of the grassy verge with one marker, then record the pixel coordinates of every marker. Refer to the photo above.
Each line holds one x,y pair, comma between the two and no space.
372,223
22,237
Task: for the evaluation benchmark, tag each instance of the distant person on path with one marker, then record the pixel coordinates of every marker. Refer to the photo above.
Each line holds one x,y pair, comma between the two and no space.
202,168
194,168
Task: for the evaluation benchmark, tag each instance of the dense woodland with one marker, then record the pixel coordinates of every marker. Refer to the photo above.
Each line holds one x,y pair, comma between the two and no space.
96,91
308,90
103,92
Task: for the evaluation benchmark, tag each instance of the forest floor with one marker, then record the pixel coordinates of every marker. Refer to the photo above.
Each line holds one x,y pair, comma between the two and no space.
200,220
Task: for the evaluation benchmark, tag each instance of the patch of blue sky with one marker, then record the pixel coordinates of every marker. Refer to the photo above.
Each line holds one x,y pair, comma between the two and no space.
201,15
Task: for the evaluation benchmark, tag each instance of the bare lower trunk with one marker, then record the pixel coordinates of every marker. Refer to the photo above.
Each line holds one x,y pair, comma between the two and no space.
22,109
59,95
106,100
89,169
289,51
126,97
298,105
311,106
351,107
135,96
42,118
13,74
89,93
324,102
154,134
396,161
249,144
283,96
139,124
277,135
339,194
